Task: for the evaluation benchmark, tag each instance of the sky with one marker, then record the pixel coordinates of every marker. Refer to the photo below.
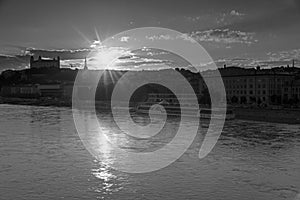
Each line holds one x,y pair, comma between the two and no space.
234,32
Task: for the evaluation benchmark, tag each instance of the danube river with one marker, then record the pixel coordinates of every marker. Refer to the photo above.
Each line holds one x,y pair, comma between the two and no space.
42,157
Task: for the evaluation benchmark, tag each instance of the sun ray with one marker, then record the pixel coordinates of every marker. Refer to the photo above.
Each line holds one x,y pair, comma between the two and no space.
97,35
83,36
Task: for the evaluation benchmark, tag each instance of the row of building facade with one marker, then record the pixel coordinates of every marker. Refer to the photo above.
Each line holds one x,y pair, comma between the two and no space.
54,90
260,86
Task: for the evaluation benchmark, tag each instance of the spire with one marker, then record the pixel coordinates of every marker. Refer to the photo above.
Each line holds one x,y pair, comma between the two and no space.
293,63
85,64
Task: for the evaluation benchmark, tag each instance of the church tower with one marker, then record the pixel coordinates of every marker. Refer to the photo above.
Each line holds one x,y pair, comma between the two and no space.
85,64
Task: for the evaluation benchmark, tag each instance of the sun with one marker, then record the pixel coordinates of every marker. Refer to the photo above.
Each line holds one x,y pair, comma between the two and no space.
103,57
106,57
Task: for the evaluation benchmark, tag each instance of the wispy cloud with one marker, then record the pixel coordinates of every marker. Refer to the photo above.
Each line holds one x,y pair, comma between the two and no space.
236,13
272,59
65,54
285,55
213,35
124,39
13,62
224,36
231,17
160,37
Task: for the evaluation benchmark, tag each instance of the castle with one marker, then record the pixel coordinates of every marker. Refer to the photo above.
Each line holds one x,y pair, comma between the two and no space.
44,63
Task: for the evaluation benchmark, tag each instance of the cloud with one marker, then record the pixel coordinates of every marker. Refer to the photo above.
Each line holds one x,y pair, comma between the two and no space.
229,18
224,36
281,58
269,20
160,37
237,62
74,63
236,13
272,59
183,36
13,62
64,54
95,44
285,55
124,39
187,37
213,35
142,59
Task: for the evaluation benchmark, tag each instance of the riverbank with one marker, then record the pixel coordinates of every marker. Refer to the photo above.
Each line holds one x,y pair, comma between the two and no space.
36,102
286,116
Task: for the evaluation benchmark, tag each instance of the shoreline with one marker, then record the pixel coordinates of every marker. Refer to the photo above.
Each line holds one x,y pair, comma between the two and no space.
35,102
282,116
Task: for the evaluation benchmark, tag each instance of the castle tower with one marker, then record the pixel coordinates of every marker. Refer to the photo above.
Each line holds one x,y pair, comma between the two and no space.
44,63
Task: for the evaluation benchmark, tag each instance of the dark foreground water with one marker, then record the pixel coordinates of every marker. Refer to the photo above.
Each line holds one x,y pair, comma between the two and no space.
42,157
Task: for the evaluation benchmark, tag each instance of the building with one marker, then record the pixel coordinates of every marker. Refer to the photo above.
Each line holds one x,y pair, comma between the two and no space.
67,90
296,90
41,63
257,86
22,91
53,90
50,90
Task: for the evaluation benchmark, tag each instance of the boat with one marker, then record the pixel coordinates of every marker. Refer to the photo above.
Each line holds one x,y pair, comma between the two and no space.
162,104
168,104
122,109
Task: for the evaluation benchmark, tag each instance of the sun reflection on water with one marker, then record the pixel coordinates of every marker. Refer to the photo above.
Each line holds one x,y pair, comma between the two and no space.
108,182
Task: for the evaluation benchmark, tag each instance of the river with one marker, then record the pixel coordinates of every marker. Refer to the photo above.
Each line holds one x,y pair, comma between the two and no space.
42,157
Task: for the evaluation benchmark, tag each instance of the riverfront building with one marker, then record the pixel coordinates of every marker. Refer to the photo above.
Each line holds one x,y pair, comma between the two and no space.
21,91
259,86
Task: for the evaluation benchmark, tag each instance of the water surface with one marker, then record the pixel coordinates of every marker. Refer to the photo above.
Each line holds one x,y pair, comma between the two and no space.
42,157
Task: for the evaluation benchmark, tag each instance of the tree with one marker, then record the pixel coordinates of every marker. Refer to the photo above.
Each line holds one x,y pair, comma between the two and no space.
234,99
